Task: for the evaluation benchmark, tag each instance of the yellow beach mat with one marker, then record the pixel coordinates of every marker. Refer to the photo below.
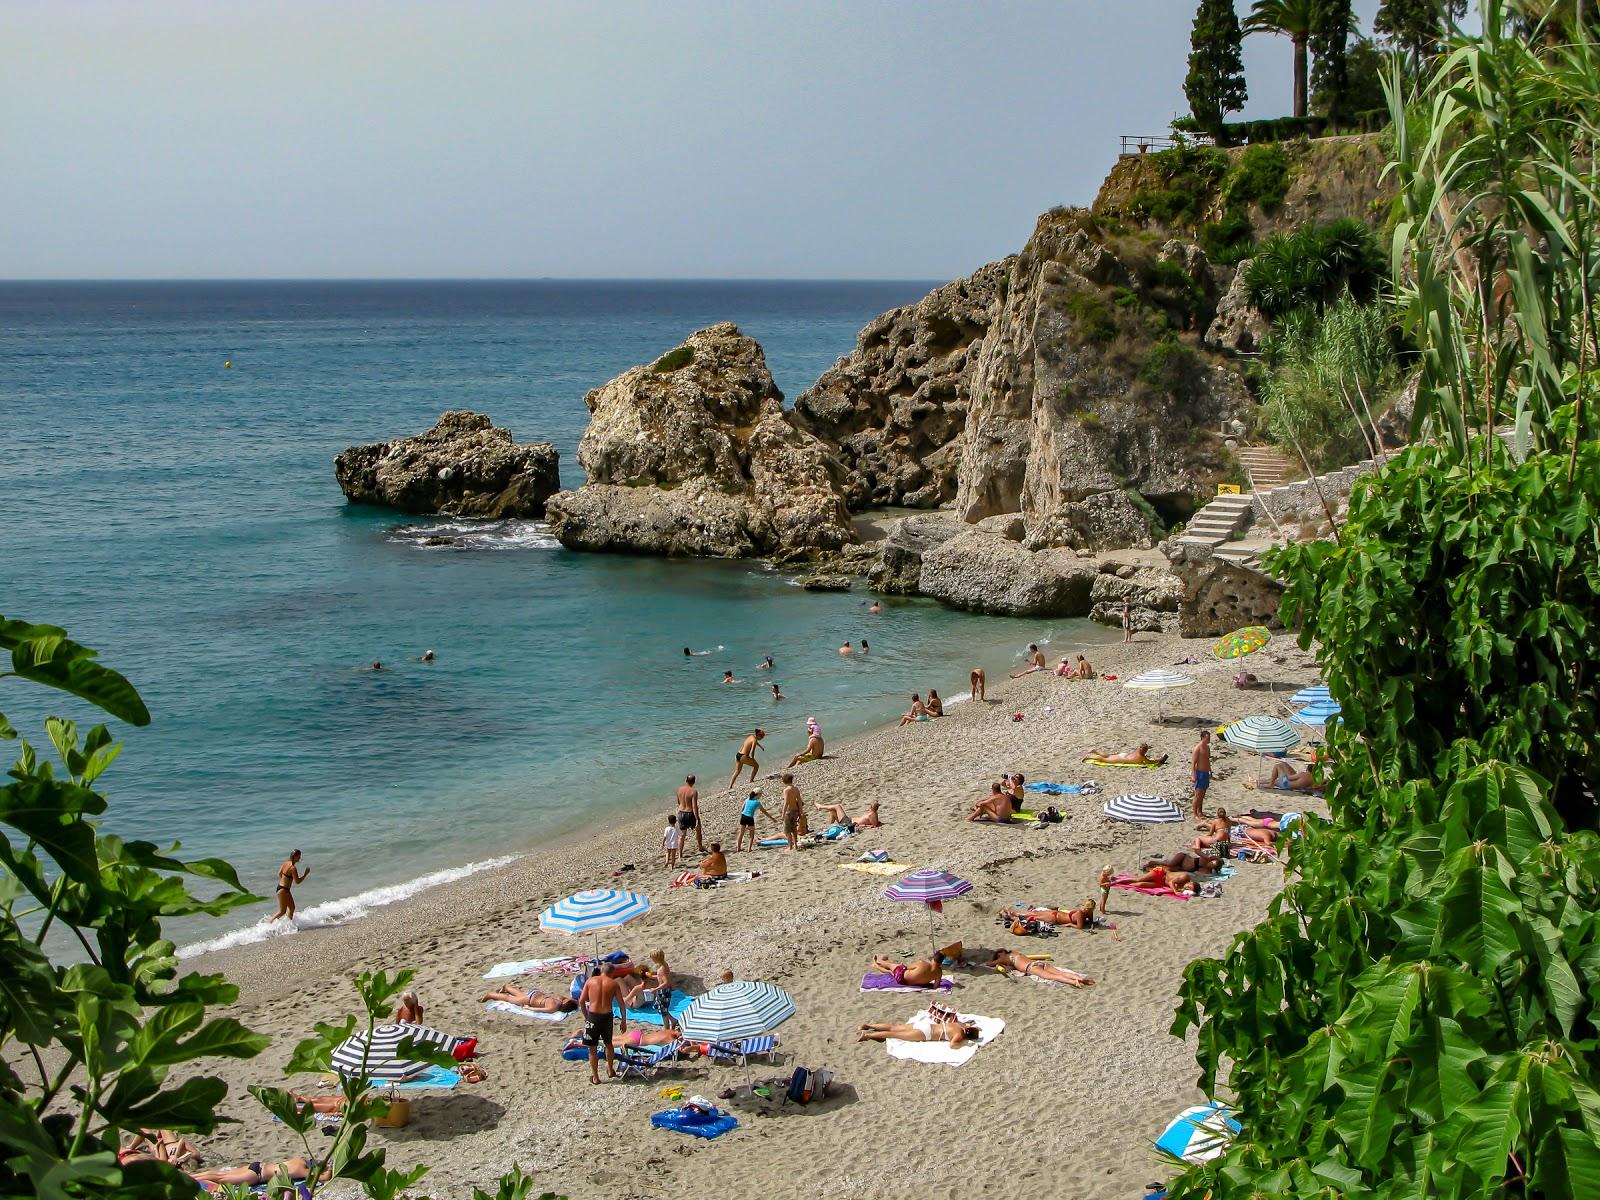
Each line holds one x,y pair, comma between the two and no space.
889,868
1100,762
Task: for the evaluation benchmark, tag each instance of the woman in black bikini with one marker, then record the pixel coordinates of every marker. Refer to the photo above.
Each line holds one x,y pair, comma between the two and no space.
287,878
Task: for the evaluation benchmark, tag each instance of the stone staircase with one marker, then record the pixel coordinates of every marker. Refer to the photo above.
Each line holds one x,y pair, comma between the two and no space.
1268,468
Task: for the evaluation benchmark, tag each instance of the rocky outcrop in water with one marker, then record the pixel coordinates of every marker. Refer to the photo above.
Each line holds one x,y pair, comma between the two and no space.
464,466
895,407
695,455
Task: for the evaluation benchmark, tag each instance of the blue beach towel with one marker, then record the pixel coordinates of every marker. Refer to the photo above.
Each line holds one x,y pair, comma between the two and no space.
696,1124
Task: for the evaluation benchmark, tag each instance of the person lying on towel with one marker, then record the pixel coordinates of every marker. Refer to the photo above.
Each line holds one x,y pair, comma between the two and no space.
925,972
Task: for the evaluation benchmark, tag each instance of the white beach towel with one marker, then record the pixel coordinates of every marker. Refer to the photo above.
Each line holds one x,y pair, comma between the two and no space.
510,970
533,1014
943,1052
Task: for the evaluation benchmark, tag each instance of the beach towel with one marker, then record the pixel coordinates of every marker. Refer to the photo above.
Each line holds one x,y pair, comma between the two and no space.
1146,890
649,1016
710,1124
532,1014
1063,789
1100,762
510,970
989,1028
883,868
881,981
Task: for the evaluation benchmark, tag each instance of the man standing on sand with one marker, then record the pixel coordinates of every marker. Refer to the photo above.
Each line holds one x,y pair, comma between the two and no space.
976,680
596,1000
793,812
746,757
287,878
1201,761
689,811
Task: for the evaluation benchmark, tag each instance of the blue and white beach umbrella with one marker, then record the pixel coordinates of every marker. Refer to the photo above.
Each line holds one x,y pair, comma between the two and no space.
593,910
1312,695
1199,1134
1142,809
1263,734
731,1011
1316,716
1158,681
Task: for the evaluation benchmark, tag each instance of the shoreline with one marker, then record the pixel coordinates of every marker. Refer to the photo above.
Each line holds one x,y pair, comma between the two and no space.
813,928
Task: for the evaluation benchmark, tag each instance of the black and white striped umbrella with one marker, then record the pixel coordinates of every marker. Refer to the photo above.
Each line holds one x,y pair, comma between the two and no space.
382,1062
1142,809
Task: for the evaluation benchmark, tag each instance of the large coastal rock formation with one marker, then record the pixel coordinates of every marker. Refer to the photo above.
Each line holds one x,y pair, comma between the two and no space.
895,407
464,465
695,455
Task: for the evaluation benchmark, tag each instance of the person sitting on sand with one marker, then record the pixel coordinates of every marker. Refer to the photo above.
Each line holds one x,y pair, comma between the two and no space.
934,705
538,1001
1160,877
747,819
1285,778
715,864
258,1173
409,1010
1140,757
946,1028
976,682
1006,961
813,750
1081,917
1035,662
1185,860
998,806
918,712
925,972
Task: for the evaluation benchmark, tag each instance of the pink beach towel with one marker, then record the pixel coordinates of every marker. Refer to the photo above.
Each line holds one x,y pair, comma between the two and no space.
875,981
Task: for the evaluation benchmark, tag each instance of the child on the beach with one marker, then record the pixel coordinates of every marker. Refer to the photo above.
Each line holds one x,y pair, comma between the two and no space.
671,839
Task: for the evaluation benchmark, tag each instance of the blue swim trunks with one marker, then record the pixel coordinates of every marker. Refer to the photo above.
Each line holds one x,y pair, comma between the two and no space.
1202,780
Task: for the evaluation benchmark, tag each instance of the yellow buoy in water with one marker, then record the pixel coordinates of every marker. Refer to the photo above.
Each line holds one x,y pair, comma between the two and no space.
229,363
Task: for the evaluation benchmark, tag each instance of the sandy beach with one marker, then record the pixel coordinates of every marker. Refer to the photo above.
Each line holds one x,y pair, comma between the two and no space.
1066,1102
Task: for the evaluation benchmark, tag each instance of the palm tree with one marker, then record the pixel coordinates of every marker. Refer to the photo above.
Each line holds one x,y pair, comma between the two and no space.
1295,20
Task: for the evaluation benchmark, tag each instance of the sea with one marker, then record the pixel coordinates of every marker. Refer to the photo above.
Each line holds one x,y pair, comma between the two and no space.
166,477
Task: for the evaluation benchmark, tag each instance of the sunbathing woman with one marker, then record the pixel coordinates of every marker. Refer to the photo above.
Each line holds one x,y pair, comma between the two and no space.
1009,960
1176,882
538,1001
945,1029
1081,917
257,1173
925,972
1139,757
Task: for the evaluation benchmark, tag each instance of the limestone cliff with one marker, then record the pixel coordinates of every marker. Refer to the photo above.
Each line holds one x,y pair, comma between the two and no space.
694,454
894,408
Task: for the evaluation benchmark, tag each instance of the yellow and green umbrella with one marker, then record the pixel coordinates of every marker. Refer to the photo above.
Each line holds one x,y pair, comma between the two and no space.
1242,641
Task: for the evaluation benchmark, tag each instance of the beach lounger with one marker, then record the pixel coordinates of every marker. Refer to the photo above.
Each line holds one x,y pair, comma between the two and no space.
740,1053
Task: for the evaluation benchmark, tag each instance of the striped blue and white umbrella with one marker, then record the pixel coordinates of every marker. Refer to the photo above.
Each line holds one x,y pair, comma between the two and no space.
593,910
382,1062
1158,681
1316,716
1263,734
1142,809
1312,695
1199,1134
731,1011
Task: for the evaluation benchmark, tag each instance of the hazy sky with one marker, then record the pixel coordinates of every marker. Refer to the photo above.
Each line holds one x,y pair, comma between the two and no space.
226,138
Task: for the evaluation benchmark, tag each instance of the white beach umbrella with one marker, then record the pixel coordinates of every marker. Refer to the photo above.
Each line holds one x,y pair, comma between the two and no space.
1158,681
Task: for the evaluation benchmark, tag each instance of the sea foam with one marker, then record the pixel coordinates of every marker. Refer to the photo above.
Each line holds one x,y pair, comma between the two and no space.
340,912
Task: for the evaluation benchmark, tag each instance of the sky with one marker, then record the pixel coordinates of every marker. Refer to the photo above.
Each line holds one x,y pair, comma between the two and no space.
876,139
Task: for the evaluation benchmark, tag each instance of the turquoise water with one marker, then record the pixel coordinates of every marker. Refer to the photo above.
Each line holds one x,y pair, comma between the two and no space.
182,518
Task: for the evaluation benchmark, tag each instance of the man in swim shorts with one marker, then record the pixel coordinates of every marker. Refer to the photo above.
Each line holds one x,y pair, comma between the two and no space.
746,757
288,876
689,812
1200,760
747,818
793,812
598,998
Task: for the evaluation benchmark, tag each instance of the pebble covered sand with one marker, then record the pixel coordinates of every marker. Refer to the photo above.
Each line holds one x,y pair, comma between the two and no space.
1065,1103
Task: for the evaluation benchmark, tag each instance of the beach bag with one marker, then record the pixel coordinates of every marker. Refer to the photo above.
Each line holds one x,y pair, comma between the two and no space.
807,1084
